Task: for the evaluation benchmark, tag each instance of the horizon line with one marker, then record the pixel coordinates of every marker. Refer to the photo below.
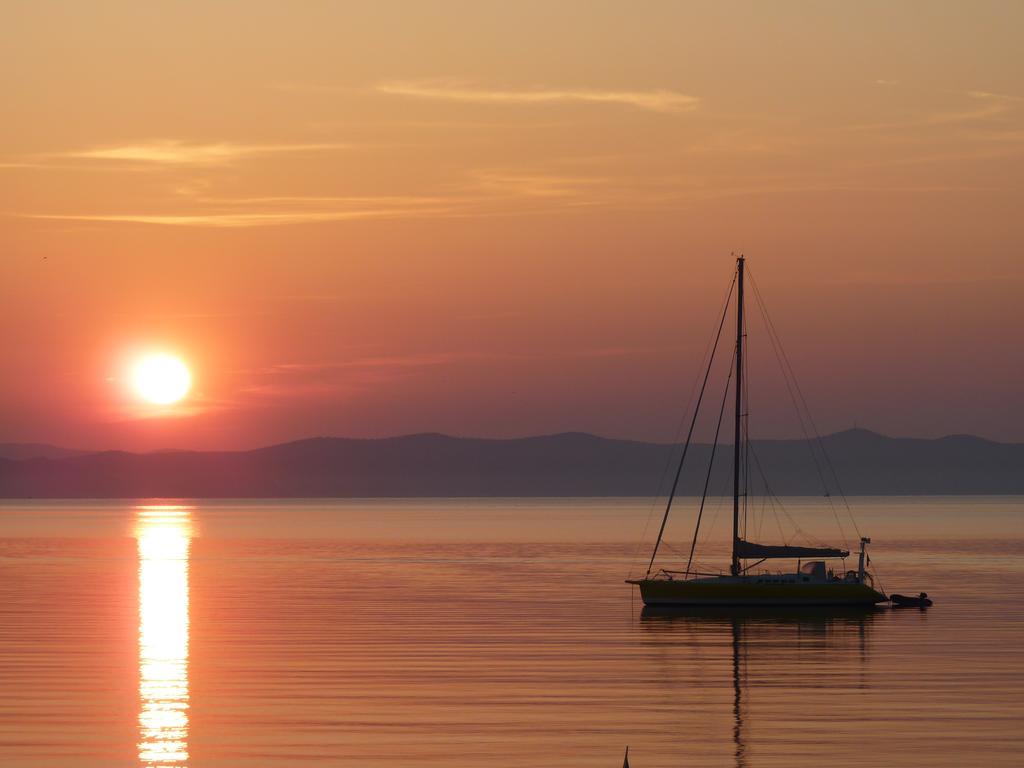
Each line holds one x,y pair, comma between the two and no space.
449,436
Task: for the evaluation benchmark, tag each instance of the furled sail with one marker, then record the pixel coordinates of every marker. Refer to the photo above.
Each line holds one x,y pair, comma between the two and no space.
749,551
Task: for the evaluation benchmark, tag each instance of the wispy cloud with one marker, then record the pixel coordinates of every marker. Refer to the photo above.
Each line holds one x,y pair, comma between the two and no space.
176,152
283,378
536,184
48,163
654,101
1011,136
362,373
261,211
245,219
304,201
333,379
984,106
989,105
488,192
413,360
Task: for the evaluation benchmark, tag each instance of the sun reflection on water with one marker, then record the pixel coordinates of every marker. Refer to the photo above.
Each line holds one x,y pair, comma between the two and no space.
163,533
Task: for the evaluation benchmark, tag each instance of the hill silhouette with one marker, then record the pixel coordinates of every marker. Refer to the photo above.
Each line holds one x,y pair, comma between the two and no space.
35,450
569,464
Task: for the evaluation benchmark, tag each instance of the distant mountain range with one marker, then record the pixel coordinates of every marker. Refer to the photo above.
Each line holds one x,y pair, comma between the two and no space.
570,464
35,451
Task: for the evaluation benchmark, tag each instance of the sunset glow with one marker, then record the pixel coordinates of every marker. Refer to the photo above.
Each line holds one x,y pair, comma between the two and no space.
390,220
161,379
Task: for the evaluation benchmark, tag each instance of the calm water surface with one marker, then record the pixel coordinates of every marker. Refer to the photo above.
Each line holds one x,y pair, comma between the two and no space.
488,633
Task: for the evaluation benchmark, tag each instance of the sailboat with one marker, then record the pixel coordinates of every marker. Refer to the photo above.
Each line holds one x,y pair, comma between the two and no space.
812,582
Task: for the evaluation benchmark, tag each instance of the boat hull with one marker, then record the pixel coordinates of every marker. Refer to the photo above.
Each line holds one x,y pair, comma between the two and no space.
727,591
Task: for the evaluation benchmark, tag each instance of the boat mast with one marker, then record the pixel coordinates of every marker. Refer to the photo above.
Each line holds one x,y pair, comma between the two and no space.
735,567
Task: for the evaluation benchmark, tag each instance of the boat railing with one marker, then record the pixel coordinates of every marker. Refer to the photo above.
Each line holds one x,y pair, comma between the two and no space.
673,575
848,576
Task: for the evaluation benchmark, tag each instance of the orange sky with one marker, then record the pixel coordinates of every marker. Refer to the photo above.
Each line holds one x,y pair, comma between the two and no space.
503,219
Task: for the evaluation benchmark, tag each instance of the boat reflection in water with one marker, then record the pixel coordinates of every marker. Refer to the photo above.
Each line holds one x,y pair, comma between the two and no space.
163,533
775,637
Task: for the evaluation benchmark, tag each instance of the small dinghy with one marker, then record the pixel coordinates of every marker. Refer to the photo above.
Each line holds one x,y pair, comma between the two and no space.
903,601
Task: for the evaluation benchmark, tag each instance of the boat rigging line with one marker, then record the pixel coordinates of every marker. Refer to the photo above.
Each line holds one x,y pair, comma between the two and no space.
711,464
709,348
693,423
803,412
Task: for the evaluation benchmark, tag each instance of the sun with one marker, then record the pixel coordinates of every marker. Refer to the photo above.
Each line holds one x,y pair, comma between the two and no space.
161,379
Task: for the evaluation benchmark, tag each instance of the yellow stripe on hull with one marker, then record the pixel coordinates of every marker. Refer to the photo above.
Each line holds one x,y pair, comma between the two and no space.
729,592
